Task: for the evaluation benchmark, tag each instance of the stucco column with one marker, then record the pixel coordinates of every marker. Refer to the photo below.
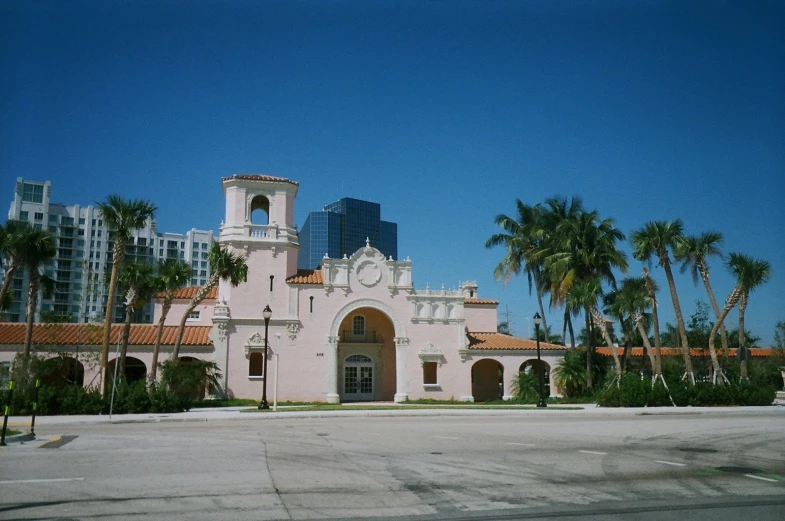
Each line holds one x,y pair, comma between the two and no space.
332,370
219,336
401,395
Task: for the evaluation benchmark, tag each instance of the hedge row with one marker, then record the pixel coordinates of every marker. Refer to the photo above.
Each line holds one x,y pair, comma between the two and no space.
634,391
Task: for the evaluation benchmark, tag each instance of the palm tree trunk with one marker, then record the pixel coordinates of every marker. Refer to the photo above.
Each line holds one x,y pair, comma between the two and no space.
589,382
742,343
129,311
723,333
646,343
689,373
564,327
32,298
158,336
7,276
117,260
542,314
198,298
572,333
595,314
730,302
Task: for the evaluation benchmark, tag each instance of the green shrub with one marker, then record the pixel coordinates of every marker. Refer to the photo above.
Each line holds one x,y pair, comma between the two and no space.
525,387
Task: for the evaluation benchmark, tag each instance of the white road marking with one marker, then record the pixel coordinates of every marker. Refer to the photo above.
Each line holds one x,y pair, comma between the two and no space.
443,438
51,480
753,476
594,452
670,463
520,444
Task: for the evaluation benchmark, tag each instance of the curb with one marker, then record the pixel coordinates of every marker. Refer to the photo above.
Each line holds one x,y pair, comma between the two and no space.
25,436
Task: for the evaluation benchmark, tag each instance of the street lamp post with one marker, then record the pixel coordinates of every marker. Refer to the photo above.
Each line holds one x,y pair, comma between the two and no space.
267,313
537,322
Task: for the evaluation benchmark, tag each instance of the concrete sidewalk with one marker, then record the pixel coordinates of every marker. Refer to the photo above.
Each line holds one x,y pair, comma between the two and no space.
387,409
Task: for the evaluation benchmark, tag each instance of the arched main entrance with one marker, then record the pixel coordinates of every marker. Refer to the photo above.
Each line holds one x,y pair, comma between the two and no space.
367,349
358,378
63,371
135,370
487,380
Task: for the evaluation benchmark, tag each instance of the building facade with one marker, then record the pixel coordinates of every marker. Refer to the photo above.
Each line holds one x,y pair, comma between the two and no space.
84,252
341,229
355,329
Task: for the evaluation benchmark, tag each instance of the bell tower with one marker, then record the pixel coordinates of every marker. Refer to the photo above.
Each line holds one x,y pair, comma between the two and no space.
259,223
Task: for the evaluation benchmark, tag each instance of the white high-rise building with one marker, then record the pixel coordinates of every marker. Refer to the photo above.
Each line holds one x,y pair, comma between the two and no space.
82,264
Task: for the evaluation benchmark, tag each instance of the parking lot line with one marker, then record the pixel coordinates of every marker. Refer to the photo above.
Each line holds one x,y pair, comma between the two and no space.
594,452
670,463
50,480
753,476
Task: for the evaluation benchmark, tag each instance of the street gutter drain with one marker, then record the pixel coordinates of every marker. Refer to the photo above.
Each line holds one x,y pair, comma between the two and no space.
740,470
437,453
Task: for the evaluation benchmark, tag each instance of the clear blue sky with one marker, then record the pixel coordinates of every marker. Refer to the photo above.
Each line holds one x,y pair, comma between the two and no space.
441,111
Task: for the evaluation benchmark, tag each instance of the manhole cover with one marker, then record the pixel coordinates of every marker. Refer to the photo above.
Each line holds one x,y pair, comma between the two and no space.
697,449
740,470
437,453
322,434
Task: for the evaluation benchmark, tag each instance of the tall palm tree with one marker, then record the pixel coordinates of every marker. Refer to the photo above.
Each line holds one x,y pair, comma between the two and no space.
656,238
652,288
750,273
39,249
523,238
122,216
137,279
15,237
633,298
173,274
694,253
224,265
556,213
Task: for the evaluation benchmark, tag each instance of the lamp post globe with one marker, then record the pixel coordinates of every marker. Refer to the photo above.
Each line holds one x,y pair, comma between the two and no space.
266,313
537,321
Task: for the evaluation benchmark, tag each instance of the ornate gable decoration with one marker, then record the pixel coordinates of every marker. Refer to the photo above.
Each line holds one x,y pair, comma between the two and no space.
255,344
431,354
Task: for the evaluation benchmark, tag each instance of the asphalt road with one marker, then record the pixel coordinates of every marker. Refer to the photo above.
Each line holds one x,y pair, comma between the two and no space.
521,465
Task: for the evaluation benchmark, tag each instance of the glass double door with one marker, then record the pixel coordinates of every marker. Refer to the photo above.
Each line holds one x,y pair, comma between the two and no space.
358,378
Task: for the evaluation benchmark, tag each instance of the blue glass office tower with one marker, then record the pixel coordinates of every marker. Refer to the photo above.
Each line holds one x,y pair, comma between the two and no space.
341,228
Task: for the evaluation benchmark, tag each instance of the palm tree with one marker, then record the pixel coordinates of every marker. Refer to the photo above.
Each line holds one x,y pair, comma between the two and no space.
137,279
121,216
173,274
224,265
584,294
15,238
652,288
693,252
40,248
655,239
750,273
523,239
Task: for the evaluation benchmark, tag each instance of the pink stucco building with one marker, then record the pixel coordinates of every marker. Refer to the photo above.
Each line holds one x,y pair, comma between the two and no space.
355,329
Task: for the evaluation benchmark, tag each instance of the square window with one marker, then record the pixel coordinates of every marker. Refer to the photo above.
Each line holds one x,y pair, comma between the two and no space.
429,373
39,216
194,315
23,216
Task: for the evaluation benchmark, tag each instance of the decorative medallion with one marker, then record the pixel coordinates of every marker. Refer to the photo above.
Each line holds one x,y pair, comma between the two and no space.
368,273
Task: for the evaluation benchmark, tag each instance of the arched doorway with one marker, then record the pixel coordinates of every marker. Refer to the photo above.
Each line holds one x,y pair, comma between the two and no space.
487,380
135,370
367,356
531,366
358,380
62,371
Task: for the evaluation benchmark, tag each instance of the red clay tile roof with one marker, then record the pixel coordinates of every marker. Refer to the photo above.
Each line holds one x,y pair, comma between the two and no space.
500,341
676,351
480,301
191,291
306,277
92,334
260,177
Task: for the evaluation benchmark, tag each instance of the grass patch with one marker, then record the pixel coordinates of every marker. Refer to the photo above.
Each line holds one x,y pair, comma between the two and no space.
235,402
11,432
